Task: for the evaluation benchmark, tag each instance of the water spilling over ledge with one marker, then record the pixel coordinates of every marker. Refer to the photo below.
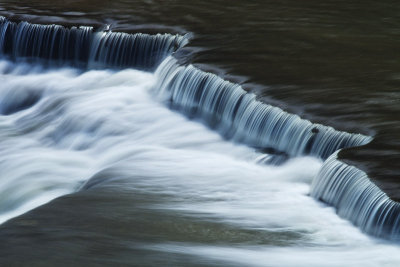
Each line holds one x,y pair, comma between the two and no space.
357,199
84,47
238,115
222,105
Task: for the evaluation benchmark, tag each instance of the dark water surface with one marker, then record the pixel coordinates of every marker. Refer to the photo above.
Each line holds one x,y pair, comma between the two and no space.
332,62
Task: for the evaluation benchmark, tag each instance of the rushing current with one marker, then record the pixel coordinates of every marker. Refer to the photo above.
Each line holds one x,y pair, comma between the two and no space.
98,111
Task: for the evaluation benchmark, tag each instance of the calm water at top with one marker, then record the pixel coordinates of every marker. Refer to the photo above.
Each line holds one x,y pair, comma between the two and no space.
333,62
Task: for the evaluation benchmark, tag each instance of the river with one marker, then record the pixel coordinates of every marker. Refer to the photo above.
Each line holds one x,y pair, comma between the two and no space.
103,172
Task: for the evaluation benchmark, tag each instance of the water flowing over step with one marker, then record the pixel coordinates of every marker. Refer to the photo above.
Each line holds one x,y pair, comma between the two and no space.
84,47
238,115
222,105
357,199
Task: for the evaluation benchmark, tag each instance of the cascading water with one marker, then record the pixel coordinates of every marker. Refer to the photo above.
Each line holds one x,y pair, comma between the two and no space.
79,129
357,198
238,115
84,47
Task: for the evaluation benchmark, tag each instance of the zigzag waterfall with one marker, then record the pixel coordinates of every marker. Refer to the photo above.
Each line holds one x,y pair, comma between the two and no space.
106,131
237,114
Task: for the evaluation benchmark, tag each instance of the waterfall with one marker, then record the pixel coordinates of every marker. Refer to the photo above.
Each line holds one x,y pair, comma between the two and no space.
84,47
357,199
238,115
220,104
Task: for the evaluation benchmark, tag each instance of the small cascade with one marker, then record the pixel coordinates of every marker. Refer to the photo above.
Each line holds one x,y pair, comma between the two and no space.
357,199
222,105
238,115
84,47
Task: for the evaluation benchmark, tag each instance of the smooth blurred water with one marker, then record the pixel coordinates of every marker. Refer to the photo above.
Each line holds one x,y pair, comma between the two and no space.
147,177
143,185
332,62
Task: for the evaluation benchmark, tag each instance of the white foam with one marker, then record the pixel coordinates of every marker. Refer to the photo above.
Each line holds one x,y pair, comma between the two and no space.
103,122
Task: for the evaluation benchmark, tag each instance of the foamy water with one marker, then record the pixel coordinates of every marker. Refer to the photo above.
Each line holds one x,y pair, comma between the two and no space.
66,130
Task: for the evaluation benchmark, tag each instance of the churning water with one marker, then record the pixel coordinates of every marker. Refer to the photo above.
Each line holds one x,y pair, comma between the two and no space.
204,174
